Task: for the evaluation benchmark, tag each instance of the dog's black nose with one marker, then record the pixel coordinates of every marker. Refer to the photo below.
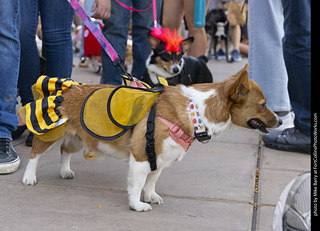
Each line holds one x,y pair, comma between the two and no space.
175,69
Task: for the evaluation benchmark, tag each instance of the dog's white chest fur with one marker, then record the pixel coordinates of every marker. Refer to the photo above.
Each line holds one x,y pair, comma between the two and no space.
172,151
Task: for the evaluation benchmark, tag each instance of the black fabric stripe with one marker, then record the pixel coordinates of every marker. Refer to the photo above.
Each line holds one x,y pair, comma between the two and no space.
33,118
58,86
44,87
45,114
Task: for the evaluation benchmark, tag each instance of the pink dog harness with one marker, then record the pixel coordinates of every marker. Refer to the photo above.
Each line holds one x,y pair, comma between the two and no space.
176,133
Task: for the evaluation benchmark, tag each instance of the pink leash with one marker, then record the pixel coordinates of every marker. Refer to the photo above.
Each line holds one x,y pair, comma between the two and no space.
115,58
153,3
94,30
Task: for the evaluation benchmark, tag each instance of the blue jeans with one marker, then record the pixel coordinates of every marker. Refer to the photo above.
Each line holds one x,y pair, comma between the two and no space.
56,20
9,65
267,67
297,56
116,32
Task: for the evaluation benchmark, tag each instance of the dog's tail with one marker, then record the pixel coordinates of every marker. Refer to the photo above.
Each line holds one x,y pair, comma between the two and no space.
203,58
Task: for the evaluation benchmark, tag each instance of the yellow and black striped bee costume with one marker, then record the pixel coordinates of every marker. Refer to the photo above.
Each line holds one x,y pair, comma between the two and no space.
42,115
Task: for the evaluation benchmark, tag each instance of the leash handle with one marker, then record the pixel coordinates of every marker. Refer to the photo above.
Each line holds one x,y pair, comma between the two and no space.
94,30
155,22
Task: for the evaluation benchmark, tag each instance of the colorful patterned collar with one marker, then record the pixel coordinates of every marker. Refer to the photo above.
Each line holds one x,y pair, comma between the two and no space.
200,131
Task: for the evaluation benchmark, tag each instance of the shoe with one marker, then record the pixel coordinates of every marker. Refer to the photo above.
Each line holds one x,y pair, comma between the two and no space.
29,139
9,159
287,122
290,139
17,133
83,62
221,54
235,55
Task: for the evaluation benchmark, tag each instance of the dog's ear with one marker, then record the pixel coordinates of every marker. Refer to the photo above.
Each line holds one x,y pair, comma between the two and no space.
240,87
155,42
185,44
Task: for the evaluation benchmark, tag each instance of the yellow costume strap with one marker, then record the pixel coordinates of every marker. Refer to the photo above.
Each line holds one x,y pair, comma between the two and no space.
42,114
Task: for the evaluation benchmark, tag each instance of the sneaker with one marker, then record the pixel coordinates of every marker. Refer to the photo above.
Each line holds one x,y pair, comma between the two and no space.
287,122
290,139
29,139
9,159
17,133
221,54
235,55
83,62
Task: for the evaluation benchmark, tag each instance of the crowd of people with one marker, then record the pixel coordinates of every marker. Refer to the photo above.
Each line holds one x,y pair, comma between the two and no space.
279,56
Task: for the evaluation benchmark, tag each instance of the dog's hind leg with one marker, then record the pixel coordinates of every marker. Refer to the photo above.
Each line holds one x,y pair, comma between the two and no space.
70,145
39,147
150,194
137,175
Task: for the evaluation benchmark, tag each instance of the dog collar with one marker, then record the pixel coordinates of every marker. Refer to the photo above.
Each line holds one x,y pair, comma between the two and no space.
200,131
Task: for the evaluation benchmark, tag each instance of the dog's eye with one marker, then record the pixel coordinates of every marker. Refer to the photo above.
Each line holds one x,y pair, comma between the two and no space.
179,56
165,57
263,105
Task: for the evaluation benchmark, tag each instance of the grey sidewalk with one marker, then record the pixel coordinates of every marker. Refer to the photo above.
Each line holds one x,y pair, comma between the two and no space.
212,188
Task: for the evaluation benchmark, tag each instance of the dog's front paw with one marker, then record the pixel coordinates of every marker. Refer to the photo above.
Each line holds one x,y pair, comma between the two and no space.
29,180
154,198
140,207
67,174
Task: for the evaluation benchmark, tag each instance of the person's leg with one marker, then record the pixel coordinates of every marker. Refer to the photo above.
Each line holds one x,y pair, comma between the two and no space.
172,13
29,61
199,45
56,19
9,66
297,55
267,66
235,33
142,23
116,32
9,69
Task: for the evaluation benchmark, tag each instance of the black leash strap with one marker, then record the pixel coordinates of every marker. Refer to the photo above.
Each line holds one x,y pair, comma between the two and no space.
150,139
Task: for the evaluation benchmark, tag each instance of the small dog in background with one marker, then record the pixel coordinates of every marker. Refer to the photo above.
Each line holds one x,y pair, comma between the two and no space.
217,26
168,61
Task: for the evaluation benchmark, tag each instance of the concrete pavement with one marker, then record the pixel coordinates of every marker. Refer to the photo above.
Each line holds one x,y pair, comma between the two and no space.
215,187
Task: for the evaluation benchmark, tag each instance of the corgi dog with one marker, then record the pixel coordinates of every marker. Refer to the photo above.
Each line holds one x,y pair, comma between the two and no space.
169,62
236,101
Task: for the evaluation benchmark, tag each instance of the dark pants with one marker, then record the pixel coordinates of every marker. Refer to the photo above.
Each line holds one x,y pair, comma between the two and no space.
56,21
116,32
297,56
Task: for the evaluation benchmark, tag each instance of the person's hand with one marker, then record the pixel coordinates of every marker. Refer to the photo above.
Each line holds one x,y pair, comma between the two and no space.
103,9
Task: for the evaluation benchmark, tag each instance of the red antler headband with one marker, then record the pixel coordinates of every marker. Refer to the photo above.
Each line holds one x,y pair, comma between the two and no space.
172,40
